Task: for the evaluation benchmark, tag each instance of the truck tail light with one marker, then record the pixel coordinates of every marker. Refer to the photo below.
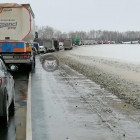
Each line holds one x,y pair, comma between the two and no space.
26,56
0,81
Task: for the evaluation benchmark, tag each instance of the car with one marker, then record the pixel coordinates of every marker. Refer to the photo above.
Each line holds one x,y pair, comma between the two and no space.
42,49
61,47
7,92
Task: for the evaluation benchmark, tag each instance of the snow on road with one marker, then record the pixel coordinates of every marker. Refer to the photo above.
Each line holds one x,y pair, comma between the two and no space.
118,75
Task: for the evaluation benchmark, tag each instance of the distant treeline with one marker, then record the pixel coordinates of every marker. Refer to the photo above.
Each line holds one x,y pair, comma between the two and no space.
47,32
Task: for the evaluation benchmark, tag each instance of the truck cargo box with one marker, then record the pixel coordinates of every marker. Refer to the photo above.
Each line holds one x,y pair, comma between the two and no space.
16,22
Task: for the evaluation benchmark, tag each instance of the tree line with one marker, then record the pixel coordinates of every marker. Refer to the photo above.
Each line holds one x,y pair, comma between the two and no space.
47,32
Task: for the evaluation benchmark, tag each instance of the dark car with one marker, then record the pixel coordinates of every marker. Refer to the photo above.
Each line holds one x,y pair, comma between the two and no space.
7,92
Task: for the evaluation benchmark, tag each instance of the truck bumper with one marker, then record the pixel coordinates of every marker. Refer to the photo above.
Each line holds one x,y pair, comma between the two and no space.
17,58
24,61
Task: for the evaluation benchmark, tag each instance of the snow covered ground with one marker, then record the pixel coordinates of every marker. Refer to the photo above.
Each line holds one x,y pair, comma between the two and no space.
114,67
124,52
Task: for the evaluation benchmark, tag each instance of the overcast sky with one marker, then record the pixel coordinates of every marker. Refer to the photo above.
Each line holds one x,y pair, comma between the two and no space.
85,15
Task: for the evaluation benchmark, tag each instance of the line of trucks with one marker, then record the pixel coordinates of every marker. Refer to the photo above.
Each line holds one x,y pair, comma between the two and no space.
17,36
52,45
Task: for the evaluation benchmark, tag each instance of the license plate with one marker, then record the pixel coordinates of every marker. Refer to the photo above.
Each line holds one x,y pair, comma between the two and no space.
16,57
7,57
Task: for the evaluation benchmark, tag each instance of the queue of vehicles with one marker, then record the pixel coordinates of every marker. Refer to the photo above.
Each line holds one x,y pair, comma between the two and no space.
17,34
18,49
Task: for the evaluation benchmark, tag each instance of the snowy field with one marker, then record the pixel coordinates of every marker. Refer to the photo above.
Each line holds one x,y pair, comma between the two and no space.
125,52
114,67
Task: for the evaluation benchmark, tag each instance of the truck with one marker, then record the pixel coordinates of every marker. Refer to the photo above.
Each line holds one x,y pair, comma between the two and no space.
36,46
51,45
17,33
67,44
56,44
77,41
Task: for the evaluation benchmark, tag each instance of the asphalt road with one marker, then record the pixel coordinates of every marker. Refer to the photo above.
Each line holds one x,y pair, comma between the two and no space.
67,105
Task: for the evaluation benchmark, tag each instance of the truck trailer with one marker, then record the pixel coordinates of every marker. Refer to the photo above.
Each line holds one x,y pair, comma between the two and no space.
17,33
67,44
49,45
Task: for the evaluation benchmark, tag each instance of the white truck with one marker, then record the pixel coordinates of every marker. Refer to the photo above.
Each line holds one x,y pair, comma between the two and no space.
49,45
67,44
17,33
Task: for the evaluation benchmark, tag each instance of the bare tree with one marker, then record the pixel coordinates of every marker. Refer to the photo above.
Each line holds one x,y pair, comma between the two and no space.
47,32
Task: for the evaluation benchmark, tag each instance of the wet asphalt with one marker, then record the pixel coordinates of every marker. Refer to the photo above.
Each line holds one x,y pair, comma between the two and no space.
16,129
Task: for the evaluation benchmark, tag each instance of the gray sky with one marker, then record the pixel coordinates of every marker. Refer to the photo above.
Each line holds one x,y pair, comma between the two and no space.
68,15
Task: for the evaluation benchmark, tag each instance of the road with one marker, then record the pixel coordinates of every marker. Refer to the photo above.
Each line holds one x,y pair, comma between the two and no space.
67,105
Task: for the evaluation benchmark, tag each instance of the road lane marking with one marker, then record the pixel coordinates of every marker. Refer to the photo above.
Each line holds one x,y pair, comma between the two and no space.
28,117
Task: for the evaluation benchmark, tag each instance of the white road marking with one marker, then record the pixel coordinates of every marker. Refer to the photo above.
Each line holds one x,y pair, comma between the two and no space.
28,118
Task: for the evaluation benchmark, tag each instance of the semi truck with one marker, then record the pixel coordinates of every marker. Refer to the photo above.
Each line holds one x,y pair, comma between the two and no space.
67,44
49,45
77,41
17,33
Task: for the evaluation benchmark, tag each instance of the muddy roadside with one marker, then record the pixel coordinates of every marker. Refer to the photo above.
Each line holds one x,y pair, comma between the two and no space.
119,78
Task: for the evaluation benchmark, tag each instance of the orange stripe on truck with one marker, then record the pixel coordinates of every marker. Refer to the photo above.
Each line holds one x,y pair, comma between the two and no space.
19,50
0,50
28,49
